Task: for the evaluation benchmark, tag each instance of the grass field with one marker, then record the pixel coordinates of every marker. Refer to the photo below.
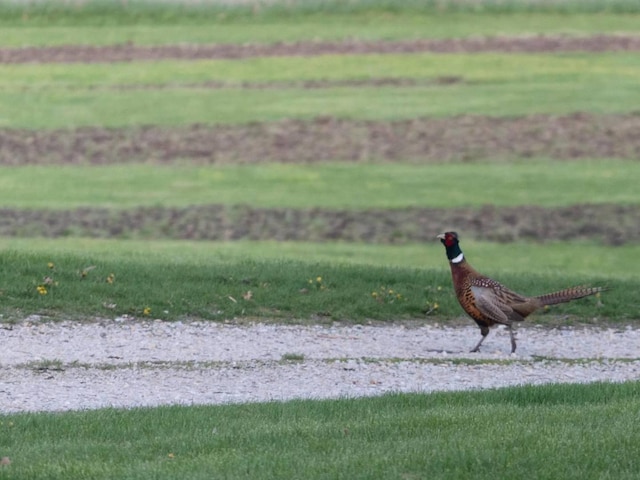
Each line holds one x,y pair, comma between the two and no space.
48,96
544,183
549,259
37,96
64,108
70,109
316,27
574,432
214,282
483,68
556,431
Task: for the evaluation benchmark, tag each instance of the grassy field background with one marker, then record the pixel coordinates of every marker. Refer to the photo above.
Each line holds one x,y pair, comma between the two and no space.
546,183
63,96
326,27
122,96
534,432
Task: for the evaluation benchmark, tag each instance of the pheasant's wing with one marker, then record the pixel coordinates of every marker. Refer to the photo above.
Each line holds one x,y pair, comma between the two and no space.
490,305
495,300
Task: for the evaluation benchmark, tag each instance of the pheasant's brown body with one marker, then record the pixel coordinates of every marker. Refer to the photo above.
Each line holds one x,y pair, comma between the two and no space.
489,302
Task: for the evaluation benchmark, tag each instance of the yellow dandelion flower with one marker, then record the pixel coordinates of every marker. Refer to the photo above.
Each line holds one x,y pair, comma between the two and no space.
111,278
436,306
42,290
319,279
146,311
374,294
50,265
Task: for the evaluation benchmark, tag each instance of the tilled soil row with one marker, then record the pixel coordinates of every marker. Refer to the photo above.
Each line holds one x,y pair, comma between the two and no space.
424,140
277,85
132,52
610,224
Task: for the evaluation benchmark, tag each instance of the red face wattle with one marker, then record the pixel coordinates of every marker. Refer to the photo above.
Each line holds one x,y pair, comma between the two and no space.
450,239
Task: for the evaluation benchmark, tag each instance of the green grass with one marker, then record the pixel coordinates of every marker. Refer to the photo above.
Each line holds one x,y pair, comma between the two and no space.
109,12
352,186
574,260
312,28
189,280
68,109
477,69
555,431
55,96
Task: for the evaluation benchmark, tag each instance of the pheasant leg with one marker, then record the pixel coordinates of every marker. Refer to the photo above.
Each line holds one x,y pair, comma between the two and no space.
513,338
477,347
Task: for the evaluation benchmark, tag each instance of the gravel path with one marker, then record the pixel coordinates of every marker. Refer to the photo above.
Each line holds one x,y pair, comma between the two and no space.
126,363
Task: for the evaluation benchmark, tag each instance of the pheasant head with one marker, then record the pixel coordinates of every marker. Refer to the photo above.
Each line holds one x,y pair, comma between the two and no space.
452,246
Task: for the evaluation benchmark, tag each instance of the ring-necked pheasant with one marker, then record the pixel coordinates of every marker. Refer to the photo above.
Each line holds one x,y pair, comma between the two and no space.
489,302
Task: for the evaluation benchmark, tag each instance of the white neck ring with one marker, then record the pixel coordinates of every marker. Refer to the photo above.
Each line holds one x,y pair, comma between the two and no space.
458,259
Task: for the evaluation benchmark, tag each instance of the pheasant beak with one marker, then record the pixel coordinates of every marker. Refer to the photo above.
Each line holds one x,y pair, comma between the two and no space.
440,236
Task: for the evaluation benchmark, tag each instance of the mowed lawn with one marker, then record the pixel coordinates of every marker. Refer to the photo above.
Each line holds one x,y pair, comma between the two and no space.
62,96
335,185
570,432
118,24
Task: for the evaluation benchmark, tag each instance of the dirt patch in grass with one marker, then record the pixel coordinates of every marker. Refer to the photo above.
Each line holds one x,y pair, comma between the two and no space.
424,140
610,224
303,84
132,52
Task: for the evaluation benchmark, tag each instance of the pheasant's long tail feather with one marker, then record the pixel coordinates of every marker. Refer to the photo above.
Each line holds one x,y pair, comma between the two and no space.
568,294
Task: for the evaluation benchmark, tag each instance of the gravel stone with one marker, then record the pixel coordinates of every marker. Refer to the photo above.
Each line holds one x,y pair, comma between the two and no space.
128,363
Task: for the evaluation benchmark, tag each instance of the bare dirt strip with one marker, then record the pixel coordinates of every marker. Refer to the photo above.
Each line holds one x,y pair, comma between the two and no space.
609,224
425,140
277,85
132,52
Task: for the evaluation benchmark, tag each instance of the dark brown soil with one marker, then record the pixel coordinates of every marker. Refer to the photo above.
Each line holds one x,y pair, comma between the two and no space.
610,224
131,52
463,138
303,84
